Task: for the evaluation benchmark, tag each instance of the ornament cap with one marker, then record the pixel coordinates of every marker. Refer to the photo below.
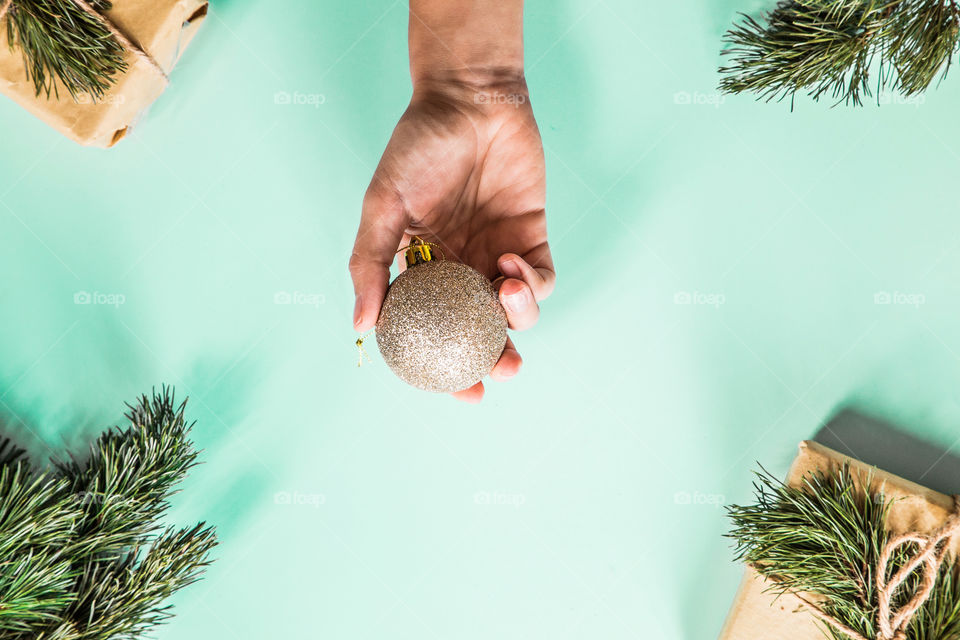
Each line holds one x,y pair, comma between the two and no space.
418,252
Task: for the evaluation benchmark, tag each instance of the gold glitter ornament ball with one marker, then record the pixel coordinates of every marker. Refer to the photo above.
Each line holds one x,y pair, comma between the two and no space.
441,327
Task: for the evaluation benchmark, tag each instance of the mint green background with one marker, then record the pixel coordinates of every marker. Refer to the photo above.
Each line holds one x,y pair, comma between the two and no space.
223,198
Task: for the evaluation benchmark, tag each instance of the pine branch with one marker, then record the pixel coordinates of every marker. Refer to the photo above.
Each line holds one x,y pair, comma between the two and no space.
825,538
828,47
83,555
131,473
36,523
137,589
63,46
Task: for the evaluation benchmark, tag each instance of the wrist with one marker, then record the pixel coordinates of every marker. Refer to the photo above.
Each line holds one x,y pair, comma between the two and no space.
475,44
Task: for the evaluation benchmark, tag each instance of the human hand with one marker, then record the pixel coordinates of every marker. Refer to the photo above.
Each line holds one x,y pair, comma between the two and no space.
463,169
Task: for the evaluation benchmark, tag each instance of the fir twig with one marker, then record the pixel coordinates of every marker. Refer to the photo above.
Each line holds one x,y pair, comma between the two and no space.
36,524
828,47
83,555
825,539
63,46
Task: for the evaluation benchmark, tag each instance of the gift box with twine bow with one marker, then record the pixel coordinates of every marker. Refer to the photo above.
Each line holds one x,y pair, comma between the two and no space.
148,37
922,522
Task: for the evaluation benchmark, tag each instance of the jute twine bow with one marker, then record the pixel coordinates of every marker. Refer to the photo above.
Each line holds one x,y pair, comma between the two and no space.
109,26
931,550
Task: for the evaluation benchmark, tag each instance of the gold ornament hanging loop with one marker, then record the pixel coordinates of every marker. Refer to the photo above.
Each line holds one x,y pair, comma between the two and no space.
419,251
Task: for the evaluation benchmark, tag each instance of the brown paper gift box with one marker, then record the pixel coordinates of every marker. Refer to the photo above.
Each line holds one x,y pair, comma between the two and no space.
756,615
161,28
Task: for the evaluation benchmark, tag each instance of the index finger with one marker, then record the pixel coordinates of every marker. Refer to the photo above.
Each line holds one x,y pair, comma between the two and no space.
381,227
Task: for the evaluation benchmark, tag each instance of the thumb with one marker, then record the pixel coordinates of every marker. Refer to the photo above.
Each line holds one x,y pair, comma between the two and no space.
382,224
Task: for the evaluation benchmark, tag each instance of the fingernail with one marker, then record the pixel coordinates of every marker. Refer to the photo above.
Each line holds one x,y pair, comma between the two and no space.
511,269
358,305
517,302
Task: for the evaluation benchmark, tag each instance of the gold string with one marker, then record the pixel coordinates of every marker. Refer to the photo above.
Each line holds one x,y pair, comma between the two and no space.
362,352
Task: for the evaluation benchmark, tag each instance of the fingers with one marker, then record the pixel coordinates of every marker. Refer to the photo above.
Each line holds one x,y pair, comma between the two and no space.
520,304
381,228
507,366
541,279
520,288
523,286
472,395
509,363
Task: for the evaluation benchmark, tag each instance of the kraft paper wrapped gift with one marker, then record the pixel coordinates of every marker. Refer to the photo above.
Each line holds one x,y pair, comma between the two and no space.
161,28
760,615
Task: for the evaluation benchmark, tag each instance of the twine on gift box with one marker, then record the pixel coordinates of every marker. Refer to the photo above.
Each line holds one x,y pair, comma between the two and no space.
112,28
931,552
